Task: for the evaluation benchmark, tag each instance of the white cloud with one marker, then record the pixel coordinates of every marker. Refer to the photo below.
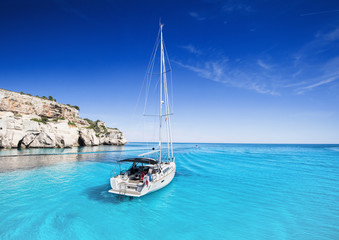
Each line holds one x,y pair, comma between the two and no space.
317,84
321,43
263,65
196,16
332,36
231,6
219,71
321,74
297,73
319,12
192,49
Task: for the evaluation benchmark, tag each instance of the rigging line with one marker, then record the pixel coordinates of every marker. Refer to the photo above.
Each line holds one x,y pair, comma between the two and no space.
169,119
153,115
171,79
150,69
144,83
166,103
148,90
160,73
150,80
154,131
161,86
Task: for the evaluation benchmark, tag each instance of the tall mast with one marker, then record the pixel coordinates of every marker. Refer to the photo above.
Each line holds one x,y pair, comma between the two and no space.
161,74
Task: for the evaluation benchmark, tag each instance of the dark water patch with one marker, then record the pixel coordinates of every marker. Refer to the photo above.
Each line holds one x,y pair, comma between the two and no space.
100,193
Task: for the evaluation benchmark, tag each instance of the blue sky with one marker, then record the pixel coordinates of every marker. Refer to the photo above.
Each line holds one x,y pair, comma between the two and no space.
243,71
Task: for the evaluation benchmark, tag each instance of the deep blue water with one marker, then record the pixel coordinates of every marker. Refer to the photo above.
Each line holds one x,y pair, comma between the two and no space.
221,191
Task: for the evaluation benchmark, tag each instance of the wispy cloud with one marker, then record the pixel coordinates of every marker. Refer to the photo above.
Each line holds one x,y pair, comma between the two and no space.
329,72
192,49
319,12
317,84
330,36
225,8
219,71
263,65
321,42
296,73
211,70
292,85
312,72
197,16
232,6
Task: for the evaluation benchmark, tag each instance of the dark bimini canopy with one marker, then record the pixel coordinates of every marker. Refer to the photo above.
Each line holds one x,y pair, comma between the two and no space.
140,160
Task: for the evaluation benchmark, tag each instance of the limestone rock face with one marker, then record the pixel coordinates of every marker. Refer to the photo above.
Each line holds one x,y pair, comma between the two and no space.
112,137
88,138
24,104
26,141
22,126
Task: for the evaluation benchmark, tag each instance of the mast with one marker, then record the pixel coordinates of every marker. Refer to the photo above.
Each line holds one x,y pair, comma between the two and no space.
161,75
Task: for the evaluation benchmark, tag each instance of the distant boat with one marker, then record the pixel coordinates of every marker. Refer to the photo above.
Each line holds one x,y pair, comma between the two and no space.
149,174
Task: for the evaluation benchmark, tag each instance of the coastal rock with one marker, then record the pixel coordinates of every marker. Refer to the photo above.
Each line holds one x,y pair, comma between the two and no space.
25,104
27,140
32,122
4,141
43,140
112,137
87,138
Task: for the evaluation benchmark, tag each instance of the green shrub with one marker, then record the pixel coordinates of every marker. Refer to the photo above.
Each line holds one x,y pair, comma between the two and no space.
43,120
94,125
89,121
51,98
56,119
25,93
104,128
71,123
75,106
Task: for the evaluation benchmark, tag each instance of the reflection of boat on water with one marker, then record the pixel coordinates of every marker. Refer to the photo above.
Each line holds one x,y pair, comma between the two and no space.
148,174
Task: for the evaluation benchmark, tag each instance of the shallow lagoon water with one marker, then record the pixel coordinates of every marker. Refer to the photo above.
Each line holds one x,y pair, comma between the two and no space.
221,191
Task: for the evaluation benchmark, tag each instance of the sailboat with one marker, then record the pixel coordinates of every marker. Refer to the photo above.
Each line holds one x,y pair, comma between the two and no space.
153,170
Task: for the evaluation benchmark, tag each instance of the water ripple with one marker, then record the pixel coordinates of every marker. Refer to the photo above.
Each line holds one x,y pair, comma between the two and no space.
221,191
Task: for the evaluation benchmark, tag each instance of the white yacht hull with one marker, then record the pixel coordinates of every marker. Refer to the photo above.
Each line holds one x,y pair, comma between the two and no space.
154,173
128,188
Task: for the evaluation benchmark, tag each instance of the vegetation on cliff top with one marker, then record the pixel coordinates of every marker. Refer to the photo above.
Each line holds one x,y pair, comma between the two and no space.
94,125
50,98
43,120
70,123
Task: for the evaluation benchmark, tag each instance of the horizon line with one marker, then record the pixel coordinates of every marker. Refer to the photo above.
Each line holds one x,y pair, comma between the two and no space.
242,143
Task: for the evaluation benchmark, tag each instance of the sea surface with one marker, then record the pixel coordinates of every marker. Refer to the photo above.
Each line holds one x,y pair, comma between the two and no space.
220,191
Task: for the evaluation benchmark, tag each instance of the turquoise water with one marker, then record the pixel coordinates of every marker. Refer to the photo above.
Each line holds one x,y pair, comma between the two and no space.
221,191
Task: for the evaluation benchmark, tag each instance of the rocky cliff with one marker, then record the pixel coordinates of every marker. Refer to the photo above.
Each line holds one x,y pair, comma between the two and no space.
27,121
